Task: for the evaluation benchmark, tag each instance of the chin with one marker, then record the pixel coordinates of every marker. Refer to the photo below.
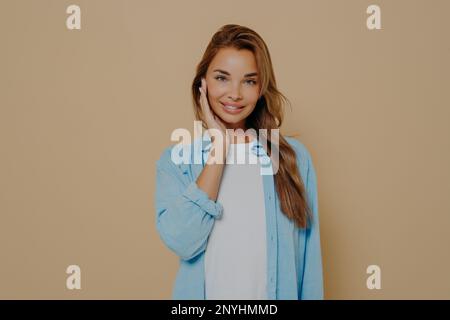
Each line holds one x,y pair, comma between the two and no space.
231,119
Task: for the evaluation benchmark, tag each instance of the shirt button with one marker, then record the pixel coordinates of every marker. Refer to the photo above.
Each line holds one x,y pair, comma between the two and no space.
271,237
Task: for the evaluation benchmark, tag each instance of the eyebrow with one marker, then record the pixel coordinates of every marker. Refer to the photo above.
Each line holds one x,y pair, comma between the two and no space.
245,76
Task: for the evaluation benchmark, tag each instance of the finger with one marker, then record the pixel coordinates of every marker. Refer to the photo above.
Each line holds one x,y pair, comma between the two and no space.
204,85
205,106
202,101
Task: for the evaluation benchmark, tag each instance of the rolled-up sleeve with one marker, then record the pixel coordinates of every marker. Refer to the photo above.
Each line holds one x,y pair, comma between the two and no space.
312,284
184,213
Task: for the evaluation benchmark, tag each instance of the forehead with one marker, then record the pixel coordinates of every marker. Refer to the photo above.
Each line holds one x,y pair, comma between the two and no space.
236,62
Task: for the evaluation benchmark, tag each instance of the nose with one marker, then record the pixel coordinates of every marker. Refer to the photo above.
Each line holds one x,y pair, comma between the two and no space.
235,93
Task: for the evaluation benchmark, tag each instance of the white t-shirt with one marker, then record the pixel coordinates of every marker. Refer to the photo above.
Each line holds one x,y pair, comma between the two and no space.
235,257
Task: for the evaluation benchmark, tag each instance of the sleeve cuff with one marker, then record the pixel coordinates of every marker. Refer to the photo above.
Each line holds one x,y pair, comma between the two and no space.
198,196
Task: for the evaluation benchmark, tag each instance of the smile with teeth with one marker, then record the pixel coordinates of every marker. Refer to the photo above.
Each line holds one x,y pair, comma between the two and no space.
232,108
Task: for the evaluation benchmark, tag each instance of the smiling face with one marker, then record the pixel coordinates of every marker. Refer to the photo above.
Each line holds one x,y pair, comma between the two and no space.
233,86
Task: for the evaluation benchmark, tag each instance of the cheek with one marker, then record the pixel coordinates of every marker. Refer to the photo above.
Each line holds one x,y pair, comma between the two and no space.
213,91
216,92
252,96
213,98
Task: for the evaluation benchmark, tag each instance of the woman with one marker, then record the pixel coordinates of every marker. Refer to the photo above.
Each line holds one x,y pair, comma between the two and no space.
240,234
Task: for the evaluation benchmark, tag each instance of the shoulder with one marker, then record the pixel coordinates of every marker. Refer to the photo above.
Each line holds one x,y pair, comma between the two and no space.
188,150
305,165
179,157
165,155
303,154
165,161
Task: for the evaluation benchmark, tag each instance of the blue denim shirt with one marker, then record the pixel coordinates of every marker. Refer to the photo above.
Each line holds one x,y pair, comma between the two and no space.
185,217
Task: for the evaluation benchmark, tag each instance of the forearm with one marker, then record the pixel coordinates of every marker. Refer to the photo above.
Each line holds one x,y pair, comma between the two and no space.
211,175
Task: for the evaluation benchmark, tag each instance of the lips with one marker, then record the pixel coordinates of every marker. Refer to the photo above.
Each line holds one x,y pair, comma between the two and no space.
232,106
232,109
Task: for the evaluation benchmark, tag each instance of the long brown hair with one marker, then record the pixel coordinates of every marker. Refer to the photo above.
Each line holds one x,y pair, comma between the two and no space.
268,114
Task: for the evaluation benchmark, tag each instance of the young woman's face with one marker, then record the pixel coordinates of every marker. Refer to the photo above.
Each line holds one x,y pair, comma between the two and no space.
233,86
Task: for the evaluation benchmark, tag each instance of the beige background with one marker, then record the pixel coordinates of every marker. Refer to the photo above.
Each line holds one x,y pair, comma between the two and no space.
85,115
